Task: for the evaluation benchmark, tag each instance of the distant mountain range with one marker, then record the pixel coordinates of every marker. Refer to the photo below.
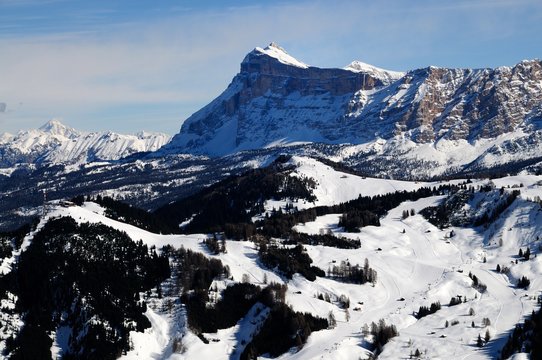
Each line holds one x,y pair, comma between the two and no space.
55,142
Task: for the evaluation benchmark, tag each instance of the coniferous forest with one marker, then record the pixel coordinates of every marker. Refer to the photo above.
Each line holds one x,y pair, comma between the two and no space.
70,274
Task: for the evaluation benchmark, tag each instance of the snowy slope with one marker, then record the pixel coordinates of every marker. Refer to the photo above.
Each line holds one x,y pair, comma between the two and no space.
385,75
277,52
57,143
417,262
421,266
334,187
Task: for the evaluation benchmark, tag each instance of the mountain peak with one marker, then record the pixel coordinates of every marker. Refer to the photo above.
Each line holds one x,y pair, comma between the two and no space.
275,46
55,127
277,52
359,66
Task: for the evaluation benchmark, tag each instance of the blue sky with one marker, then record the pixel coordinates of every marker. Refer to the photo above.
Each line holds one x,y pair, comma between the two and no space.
138,65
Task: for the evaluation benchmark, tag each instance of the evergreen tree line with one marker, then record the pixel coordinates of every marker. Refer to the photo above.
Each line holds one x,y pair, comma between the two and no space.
492,214
289,260
526,337
236,199
229,205
424,310
362,211
214,245
342,167
441,215
526,255
524,283
455,300
321,239
477,284
194,272
12,240
354,219
235,302
282,330
120,211
93,274
381,332
353,274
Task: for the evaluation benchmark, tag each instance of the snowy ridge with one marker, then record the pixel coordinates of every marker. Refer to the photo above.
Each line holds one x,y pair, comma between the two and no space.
335,187
55,142
388,75
275,51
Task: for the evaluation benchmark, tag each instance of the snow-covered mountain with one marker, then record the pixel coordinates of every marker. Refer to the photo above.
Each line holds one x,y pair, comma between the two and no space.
55,142
452,116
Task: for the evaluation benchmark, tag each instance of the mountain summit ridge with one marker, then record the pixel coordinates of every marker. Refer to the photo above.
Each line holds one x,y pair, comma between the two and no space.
276,51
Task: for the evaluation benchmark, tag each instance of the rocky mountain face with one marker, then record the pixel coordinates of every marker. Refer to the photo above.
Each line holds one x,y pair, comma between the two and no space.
278,100
55,142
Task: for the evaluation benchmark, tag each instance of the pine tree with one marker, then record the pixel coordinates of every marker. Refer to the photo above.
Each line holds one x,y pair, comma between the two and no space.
331,320
487,337
365,330
223,244
245,279
479,341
